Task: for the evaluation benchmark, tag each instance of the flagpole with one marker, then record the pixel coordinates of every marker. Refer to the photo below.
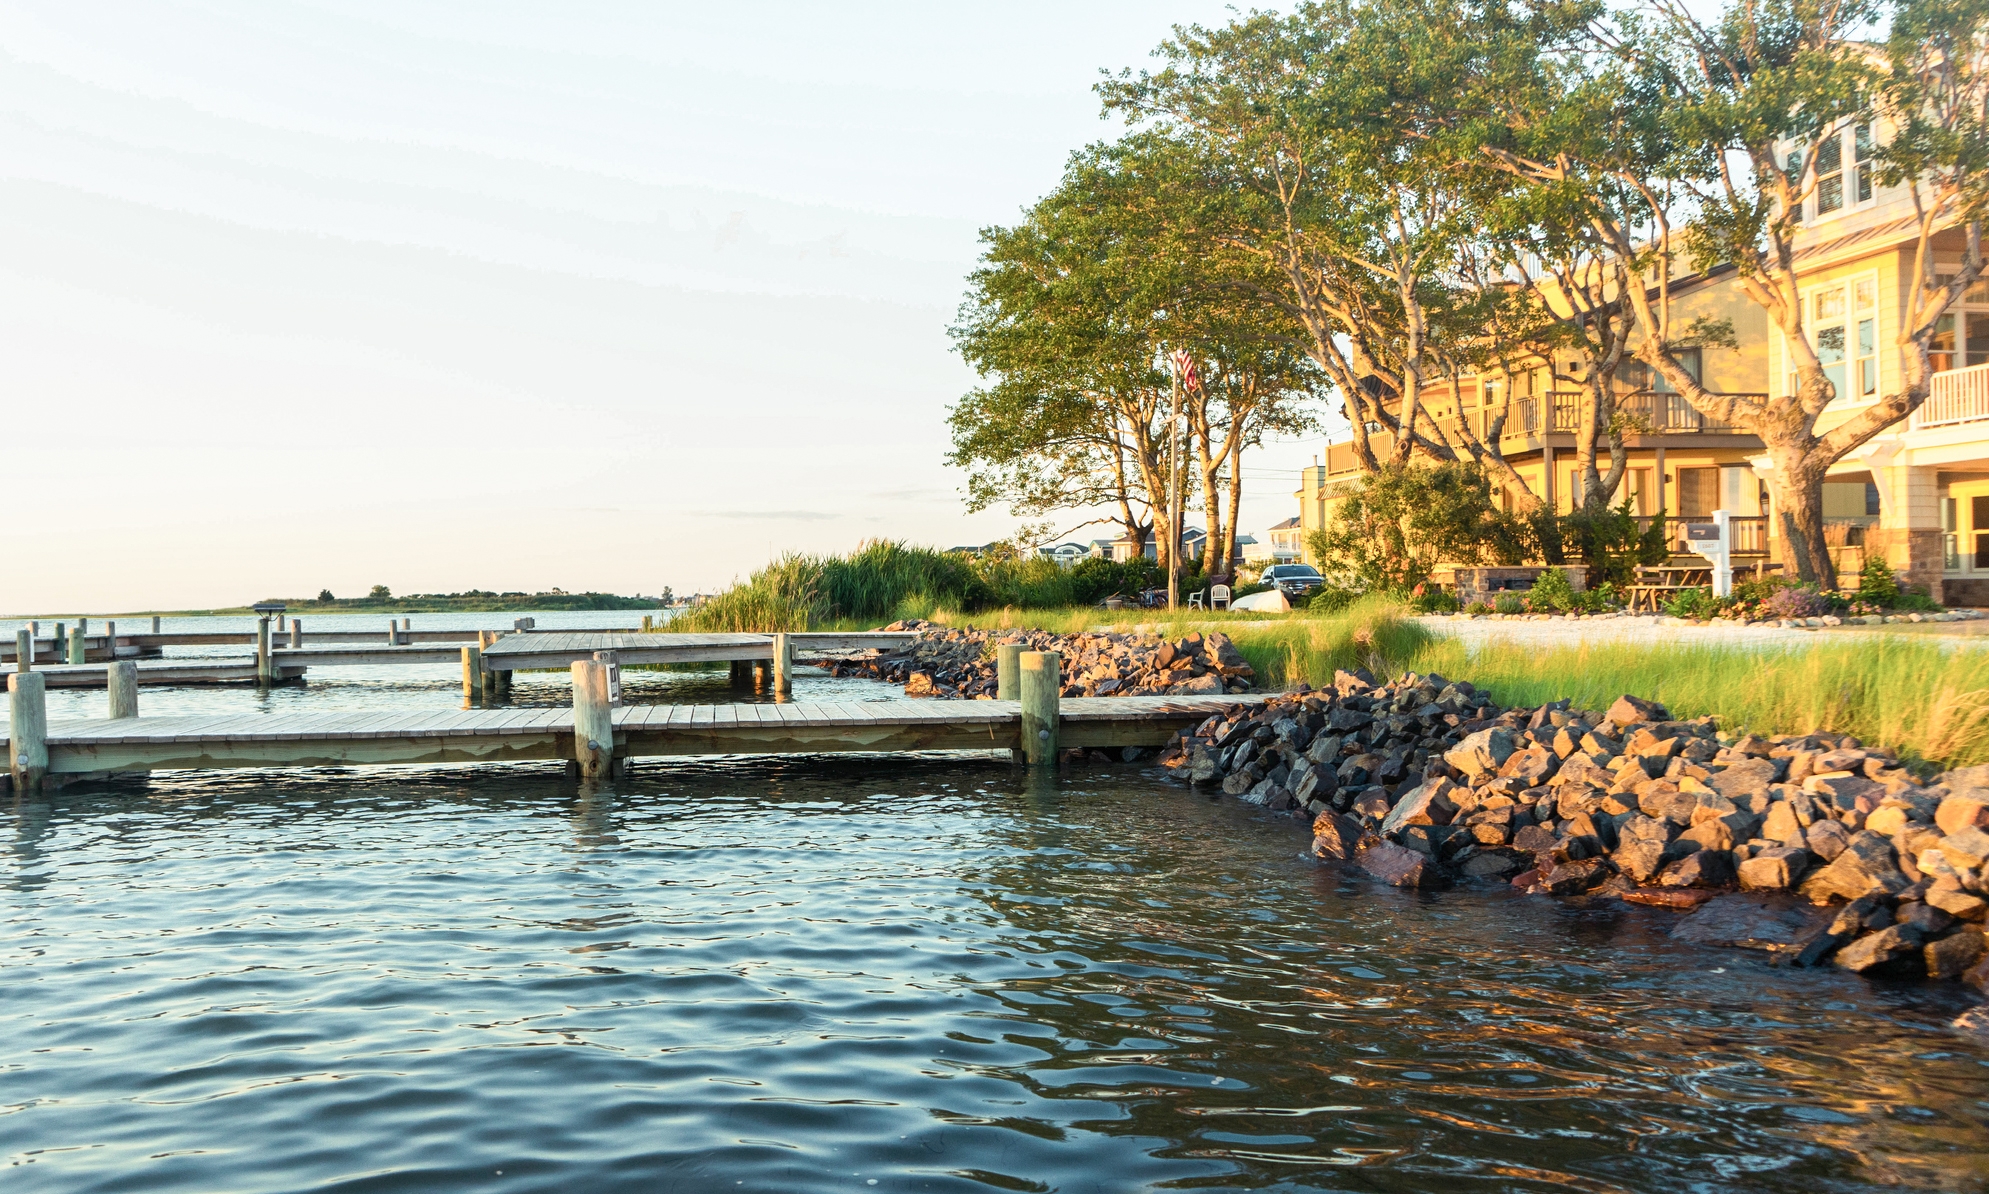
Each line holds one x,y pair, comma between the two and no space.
1174,497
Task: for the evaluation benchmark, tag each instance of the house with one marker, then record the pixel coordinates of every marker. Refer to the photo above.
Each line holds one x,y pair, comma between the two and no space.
1193,542
1287,541
1065,553
1917,494
1251,552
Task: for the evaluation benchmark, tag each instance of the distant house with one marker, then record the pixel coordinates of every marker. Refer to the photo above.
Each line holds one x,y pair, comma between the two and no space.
1287,541
976,550
1254,552
1066,553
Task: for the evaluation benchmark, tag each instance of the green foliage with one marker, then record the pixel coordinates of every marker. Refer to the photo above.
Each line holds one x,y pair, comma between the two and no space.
1095,578
325,595
1552,593
1433,600
380,593
1332,599
1400,522
1509,603
1876,583
1609,542
1692,603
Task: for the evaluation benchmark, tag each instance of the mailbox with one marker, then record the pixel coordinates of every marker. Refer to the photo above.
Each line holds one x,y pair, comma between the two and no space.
1714,541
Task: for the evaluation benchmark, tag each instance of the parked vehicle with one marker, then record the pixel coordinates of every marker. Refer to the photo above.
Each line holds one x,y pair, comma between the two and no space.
1295,581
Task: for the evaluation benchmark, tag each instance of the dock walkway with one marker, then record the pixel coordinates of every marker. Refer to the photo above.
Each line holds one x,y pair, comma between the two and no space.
561,648
139,744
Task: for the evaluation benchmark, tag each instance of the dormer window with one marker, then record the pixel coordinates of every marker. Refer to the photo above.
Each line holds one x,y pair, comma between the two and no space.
1830,175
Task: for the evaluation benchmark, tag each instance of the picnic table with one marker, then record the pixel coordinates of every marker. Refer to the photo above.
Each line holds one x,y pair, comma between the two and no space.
1655,586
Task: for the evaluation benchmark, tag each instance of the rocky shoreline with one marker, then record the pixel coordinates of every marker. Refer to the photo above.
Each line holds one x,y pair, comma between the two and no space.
960,664
1814,847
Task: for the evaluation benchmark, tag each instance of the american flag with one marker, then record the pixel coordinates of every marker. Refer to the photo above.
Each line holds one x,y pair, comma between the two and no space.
1184,365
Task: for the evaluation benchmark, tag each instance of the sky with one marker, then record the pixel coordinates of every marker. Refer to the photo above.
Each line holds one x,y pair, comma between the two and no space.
438,295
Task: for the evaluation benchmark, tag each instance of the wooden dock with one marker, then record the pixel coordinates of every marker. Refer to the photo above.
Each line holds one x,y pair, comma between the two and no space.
171,671
139,744
560,648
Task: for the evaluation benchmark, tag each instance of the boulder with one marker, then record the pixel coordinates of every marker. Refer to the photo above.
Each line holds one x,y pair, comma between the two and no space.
1957,903
1826,839
1204,685
1335,835
1629,710
1495,864
1426,804
1781,825
1843,788
1966,848
1573,878
1886,951
1705,868
1750,922
1481,754
1536,764
1533,839
1398,866
1867,866
1954,955
1639,858
1775,869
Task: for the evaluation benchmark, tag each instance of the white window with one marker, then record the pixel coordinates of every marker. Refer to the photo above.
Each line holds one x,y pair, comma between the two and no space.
1841,320
1845,175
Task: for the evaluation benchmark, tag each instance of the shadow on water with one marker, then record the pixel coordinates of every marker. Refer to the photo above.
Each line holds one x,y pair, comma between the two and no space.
935,973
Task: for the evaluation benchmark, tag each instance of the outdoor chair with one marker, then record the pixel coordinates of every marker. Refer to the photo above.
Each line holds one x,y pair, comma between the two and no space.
1195,599
1218,596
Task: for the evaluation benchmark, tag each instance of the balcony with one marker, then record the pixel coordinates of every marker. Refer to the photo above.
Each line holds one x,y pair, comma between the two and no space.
1958,396
1655,412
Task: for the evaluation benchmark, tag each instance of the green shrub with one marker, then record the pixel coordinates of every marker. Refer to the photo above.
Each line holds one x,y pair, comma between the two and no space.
1609,542
1433,600
1915,600
1692,603
1332,599
1401,522
1552,593
1509,603
1477,607
1876,583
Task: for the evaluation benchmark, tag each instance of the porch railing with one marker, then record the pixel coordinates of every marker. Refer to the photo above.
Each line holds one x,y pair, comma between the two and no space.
1750,532
1958,396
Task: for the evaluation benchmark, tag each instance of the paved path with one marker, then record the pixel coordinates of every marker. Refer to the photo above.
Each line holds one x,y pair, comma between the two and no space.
1650,631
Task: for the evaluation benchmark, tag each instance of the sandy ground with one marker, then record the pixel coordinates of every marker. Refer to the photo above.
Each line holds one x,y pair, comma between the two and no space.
1649,631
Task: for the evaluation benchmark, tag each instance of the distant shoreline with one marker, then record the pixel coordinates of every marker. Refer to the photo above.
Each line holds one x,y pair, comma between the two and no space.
535,603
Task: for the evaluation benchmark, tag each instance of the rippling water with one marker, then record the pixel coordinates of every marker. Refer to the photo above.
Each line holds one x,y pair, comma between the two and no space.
926,974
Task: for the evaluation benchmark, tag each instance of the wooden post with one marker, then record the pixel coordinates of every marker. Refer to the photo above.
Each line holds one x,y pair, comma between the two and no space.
1008,672
742,674
783,664
110,639
76,645
593,724
123,677
296,633
472,674
61,642
1041,683
24,651
648,623
393,633
265,665
155,623
607,660
27,730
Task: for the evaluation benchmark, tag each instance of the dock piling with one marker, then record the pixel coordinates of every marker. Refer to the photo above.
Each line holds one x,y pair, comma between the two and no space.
265,663
742,674
123,683
1008,672
76,645
155,623
61,642
607,660
27,729
472,675
296,633
24,651
110,639
1041,684
593,724
783,664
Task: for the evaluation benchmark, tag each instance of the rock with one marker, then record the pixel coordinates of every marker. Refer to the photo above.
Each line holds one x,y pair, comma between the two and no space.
1628,710
1425,805
1533,839
1573,878
1954,955
1581,768
1236,783
1681,899
1536,764
1750,922
1204,685
1844,788
1867,866
1704,868
1495,864
1746,777
1204,768
1886,820
1782,825
1958,904
1966,848
1885,951
1335,835
1398,866
1639,858
1776,869
1374,805
1481,753
1826,839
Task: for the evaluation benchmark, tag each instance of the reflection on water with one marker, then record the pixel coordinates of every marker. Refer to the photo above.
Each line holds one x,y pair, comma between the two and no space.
930,975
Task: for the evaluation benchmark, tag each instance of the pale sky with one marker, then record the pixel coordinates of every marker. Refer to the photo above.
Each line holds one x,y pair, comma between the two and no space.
448,295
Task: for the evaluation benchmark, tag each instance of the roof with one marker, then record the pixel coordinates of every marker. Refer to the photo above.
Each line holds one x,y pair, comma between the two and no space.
1287,525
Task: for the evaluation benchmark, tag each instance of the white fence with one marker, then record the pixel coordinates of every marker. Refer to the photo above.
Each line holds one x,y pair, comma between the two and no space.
1958,396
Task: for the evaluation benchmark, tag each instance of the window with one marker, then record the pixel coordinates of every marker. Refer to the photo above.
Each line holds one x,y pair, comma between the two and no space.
1830,175
1694,362
1874,507
1978,512
1698,491
1940,347
1830,338
1866,292
1795,169
1861,141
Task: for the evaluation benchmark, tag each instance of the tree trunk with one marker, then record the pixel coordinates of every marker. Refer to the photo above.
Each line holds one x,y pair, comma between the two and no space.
1799,506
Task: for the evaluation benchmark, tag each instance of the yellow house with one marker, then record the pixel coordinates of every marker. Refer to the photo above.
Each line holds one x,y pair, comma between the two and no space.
1917,494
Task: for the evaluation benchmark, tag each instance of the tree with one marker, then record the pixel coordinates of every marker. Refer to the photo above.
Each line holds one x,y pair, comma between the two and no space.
1403,520
1745,109
326,595
379,593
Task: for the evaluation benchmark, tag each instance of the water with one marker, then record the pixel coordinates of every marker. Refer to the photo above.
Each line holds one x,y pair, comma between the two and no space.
925,973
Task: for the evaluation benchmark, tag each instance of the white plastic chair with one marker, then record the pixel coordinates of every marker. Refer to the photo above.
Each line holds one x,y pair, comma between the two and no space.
1195,599
1218,596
